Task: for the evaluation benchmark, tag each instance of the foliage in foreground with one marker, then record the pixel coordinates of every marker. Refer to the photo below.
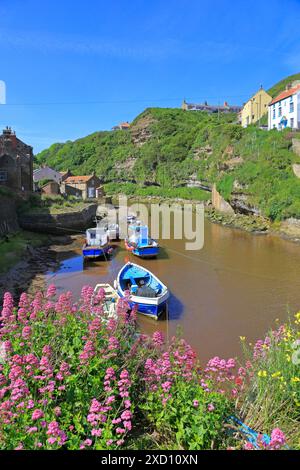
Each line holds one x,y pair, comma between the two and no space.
72,377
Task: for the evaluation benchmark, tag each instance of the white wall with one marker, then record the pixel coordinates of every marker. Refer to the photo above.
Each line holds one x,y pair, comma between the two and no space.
285,107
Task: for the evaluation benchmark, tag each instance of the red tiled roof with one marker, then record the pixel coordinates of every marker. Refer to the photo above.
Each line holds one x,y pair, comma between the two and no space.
285,94
124,124
78,179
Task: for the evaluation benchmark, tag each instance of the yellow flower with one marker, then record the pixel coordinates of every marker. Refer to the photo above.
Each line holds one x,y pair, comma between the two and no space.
262,373
242,338
295,380
276,374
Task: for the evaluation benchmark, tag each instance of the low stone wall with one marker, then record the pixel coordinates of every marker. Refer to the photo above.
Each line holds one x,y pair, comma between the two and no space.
60,223
8,216
296,146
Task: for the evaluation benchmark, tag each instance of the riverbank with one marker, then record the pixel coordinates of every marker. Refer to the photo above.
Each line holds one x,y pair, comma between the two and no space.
287,230
25,258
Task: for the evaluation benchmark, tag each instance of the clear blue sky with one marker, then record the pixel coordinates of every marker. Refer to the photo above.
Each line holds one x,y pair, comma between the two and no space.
73,67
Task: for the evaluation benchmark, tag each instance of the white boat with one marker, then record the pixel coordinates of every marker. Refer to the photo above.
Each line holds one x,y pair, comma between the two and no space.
96,243
110,299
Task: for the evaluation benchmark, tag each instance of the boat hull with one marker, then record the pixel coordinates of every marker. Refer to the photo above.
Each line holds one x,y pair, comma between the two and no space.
146,307
146,251
97,251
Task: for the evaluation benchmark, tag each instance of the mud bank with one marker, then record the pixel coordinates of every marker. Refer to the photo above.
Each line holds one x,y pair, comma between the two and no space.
28,274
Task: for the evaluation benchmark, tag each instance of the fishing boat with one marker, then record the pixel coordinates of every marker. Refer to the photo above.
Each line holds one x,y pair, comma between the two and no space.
96,244
112,231
139,243
142,288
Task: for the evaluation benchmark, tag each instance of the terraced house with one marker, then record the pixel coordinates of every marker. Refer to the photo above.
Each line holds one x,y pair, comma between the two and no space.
284,109
16,162
255,108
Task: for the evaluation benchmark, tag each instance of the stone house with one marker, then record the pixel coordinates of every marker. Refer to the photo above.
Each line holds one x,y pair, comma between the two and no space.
84,187
65,174
51,188
16,162
123,126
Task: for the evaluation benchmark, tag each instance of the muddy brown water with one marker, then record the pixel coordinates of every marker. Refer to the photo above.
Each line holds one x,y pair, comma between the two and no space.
237,285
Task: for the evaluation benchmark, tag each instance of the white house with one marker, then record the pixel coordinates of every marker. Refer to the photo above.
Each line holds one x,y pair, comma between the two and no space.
284,110
46,173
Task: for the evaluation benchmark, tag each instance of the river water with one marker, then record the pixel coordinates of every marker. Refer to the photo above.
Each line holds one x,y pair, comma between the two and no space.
237,285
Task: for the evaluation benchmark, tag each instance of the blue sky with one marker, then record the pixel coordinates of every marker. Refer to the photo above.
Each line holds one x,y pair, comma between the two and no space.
74,67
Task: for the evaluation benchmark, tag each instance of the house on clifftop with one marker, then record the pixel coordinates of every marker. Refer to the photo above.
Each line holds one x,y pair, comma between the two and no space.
16,162
210,108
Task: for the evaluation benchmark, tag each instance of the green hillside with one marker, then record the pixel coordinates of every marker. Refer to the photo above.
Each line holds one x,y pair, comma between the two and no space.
166,149
280,86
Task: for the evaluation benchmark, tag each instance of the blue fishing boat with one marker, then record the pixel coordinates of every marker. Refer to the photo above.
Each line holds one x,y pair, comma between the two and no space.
96,244
142,288
139,243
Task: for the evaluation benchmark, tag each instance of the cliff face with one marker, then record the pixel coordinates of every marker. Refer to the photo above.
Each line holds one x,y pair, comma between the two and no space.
8,216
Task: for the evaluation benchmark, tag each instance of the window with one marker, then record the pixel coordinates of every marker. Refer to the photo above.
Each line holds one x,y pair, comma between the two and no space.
292,122
291,105
279,110
3,175
274,115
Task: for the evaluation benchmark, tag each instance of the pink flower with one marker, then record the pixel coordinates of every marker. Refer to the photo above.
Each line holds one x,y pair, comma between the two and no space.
196,403
32,430
51,291
210,407
277,439
158,338
37,414
88,442
248,446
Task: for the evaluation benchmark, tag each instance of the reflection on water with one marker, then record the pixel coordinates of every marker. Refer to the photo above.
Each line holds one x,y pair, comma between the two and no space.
237,285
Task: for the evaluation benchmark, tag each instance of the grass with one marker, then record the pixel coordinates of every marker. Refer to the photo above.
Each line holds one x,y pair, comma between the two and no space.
12,249
131,189
53,205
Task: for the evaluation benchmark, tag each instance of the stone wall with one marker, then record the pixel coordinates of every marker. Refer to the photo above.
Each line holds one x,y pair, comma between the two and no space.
296,146
8,216
65,223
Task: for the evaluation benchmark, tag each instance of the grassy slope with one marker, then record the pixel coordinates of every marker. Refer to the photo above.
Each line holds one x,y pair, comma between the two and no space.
177,144
280,86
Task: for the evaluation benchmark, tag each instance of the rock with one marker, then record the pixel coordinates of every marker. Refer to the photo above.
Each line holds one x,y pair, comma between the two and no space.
296,169
219,202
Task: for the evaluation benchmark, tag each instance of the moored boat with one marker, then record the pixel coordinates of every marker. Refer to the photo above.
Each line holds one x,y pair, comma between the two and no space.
96,244
142,288
139,243
110,299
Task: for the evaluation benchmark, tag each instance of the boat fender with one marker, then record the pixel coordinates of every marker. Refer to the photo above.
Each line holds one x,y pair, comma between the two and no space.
115,284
